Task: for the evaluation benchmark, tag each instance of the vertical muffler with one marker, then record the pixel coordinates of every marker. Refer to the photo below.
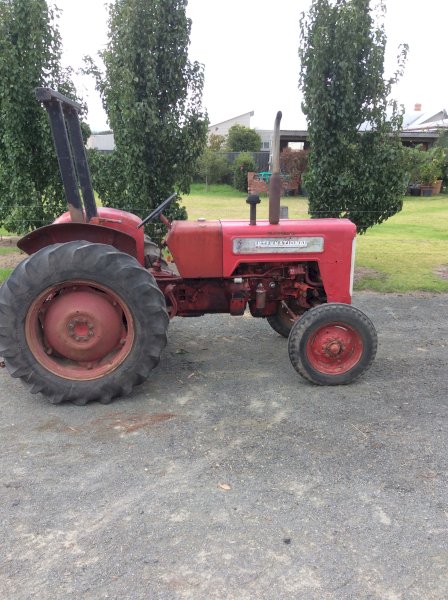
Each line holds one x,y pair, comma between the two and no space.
275,182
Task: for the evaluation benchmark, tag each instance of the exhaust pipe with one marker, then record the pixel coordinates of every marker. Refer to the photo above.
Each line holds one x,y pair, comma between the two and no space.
275,181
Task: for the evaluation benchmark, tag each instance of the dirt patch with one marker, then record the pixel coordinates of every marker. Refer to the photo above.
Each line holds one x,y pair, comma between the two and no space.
129,423
365,272
12,259
8,241
442,271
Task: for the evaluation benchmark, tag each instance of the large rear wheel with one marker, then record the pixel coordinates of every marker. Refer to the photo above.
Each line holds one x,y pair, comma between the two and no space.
80,322
332,344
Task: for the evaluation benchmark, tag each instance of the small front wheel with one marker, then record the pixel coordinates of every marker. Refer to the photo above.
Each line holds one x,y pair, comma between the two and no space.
332,344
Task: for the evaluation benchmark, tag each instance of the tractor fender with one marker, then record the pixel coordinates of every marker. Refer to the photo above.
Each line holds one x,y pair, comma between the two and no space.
62,232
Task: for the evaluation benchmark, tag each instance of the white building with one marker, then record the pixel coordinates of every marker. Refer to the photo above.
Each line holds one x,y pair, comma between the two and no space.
417,120
223,127
103,142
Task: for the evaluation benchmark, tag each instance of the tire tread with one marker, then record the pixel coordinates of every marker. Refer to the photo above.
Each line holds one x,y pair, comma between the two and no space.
61,262
346,312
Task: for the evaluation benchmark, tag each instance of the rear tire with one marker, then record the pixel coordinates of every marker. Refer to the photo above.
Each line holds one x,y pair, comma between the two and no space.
81,322
332,344
153,254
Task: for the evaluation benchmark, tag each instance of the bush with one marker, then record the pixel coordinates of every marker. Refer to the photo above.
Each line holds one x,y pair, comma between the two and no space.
294,163
243,164
213,167
424,167
442,143
243,139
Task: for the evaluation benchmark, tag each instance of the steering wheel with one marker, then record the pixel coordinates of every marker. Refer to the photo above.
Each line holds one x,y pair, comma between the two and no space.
157,211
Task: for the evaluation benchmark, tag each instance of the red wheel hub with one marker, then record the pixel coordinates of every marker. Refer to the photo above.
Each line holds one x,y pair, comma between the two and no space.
79,330
82,326
334,349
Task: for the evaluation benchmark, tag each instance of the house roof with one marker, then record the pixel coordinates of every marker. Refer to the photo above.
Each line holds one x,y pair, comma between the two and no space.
418,120
242,116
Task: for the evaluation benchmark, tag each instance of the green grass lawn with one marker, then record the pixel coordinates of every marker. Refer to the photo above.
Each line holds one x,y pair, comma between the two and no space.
408,249
224,202
7,250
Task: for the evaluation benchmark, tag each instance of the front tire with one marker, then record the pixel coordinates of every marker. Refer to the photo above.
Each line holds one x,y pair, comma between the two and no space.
283,321
80,322
332,344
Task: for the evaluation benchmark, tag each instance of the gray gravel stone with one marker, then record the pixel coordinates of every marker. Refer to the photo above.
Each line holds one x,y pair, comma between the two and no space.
227,476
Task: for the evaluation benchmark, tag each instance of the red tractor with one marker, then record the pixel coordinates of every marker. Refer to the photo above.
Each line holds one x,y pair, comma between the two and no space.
85,316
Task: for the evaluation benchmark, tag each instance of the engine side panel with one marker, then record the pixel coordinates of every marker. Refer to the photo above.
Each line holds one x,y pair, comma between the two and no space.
197,248
328,242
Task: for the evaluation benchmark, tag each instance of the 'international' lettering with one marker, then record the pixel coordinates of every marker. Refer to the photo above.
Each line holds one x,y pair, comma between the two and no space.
281,244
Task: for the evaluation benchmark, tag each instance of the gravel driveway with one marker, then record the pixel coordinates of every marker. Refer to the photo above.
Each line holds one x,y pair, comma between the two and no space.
227,476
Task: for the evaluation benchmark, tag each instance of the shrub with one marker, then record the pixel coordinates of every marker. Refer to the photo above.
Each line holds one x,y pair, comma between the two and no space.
216,142
442,143
424,167
243,139
243,164
213,167
293,162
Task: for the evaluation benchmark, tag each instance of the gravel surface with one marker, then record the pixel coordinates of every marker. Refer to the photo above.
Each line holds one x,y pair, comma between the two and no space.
227,476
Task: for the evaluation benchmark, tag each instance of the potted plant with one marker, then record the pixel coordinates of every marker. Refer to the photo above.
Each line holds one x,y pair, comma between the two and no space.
430,170
428,177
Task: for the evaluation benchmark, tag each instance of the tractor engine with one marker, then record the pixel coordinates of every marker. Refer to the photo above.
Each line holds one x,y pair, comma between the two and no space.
224,266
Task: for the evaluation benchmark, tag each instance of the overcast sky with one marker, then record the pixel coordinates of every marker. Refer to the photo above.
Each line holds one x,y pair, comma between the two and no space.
249,49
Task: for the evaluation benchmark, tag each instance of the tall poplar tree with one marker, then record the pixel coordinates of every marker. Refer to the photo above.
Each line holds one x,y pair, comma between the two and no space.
356,167
31,192
152,95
